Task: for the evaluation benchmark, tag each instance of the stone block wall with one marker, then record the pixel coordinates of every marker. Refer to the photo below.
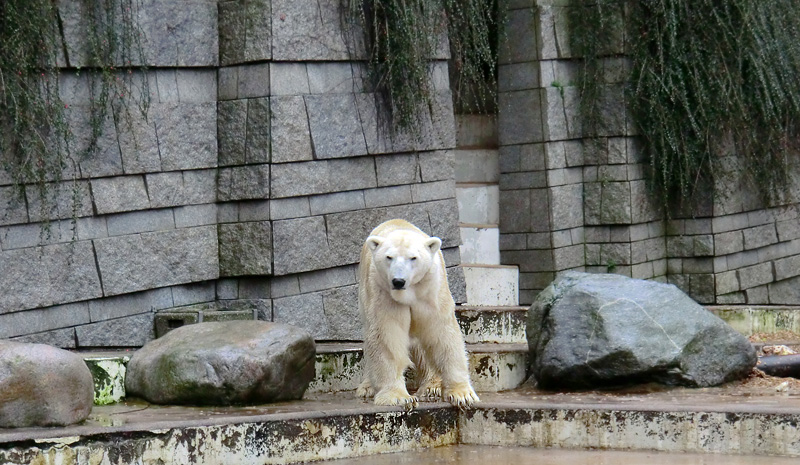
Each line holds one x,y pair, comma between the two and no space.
567,202
260,169
570,202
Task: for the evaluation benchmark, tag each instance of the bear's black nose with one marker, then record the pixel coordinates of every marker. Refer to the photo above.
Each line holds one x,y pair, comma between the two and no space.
398,283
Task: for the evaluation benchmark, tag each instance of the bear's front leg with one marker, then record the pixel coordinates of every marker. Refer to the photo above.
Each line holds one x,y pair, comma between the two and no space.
445,350
386,353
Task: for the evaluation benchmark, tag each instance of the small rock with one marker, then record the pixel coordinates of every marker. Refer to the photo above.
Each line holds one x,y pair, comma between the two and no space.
224,363
41,385
588,330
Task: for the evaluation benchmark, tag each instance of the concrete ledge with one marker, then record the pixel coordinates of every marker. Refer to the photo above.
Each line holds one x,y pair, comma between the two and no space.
732,420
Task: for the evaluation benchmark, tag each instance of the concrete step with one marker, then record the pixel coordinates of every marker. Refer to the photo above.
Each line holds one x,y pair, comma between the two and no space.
480,244
477,165
499,325
478,203
709,421
476,131
493,367
492,285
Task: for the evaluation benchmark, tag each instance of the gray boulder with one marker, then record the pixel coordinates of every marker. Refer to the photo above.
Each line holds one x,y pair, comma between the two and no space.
587,330
224,363
41,385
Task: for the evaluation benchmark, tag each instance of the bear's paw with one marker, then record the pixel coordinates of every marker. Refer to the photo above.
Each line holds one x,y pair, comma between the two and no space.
461,397
396,397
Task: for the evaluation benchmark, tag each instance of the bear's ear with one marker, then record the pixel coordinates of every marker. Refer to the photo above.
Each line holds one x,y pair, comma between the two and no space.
373,242
433,244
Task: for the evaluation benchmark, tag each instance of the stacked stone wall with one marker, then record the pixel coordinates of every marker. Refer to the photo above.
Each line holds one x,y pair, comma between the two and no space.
250,187
572,202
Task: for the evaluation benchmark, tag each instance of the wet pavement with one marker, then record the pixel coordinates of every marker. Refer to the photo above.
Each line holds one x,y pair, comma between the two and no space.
490,455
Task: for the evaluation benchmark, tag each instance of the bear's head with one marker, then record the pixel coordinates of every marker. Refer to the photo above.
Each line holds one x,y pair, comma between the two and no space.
403,259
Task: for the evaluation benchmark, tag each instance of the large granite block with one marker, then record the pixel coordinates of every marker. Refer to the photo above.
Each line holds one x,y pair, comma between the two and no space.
151,260
340,307
119,194
337,202
520,117
104,159
43,319
335,126
245,248
58,200
755,275
434,129
244,31
320,177
172,33
61,338
138,144
291,136
244,182
304,311
12,206
184,85
140,221
259,133
195,215
306,31
332,78
232,131
301,245
515,211
393,169
130,304
49,275
187,135
288,79
566,206
522,26
438,165
172,189
131,331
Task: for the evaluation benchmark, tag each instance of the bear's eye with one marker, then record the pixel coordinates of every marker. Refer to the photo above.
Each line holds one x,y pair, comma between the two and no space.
389,257
413,258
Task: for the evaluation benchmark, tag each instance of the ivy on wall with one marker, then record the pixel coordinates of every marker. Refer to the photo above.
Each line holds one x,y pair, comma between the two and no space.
37,144
709,79
402,37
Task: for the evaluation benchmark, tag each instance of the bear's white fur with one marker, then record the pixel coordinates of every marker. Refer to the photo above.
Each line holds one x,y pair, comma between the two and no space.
409,319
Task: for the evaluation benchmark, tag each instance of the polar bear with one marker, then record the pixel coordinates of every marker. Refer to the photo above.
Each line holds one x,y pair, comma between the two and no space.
408,316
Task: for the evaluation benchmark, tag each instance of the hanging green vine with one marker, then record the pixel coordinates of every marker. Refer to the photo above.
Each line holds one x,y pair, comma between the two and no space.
37,145
401,39
709,79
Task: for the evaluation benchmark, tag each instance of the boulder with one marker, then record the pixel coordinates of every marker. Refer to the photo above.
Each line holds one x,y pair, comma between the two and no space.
587,330
41,385
224,363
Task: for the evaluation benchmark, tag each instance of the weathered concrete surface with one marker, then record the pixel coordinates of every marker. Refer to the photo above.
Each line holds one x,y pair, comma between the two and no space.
493,367
470,455
754,421
108,373
676,420
287,433
41,385
504,325
223,363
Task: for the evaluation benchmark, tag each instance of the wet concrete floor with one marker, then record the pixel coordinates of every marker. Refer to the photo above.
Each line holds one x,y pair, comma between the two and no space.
490,455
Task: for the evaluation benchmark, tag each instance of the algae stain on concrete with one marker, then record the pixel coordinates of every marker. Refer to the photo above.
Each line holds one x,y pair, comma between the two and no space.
109,378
